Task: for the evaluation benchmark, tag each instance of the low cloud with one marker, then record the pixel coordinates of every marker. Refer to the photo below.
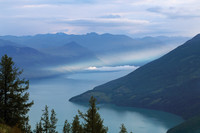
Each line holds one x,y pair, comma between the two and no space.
112,68
83,67
102,22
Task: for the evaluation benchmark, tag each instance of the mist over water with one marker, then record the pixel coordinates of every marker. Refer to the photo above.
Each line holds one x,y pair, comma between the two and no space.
56,91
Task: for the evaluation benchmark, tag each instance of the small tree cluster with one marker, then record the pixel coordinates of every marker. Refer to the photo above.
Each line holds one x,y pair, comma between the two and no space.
123,129
92,122
46,124
66,127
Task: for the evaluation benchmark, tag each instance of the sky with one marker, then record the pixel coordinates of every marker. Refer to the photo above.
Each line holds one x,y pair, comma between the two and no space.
136,18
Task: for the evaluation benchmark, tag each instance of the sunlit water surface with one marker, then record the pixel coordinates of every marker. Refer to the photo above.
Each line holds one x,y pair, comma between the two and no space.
55,92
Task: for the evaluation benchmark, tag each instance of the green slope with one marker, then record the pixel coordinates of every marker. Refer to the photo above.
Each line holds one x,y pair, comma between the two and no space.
170,83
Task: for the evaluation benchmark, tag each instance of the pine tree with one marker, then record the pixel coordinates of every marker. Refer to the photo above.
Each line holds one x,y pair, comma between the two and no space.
66,127
45,119
76,126
14,104
36,130
123,129
38,127
93,121
53,121
26,127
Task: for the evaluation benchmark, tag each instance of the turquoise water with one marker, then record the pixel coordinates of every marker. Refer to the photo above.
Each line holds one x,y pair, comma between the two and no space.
55,92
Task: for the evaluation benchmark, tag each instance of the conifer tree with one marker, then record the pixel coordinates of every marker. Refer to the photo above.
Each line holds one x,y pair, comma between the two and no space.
26,127
53,121
14,104
38,127
45,119
93,121
123,129
36,130
66,127
76,126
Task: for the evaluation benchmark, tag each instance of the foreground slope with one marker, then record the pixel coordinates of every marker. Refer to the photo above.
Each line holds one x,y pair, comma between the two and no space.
170,83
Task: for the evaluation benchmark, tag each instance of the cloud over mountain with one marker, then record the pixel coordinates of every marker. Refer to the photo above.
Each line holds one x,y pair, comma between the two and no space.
130,17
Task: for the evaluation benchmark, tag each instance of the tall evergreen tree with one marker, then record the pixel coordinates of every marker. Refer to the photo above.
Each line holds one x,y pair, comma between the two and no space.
26,127
93,121
38,127
14,104
123,129
66,127
45,119
76,126
53,121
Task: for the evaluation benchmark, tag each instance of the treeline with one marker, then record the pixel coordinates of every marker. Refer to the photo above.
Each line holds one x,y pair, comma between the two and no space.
14,107
92,122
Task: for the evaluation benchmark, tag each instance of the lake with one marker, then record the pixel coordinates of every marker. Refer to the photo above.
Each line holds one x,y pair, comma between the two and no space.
55,92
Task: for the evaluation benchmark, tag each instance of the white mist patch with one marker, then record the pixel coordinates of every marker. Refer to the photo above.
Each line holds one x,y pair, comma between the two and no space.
111,68
79,68
136,56
67,68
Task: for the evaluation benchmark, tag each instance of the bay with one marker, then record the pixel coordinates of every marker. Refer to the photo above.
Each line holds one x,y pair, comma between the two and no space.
56,91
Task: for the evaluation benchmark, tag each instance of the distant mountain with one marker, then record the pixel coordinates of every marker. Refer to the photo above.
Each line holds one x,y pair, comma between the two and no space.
34,61
21,55
6,42
93,41
170,83
72,49
104,46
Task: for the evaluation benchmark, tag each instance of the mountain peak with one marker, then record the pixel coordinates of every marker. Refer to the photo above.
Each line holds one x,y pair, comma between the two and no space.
92,34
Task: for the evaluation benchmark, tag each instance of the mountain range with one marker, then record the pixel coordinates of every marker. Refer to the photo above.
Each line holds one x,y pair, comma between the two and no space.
93,41
43,51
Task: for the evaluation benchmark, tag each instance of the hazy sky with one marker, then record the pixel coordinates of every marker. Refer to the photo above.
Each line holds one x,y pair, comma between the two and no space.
130,17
